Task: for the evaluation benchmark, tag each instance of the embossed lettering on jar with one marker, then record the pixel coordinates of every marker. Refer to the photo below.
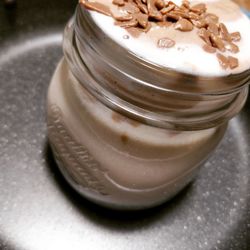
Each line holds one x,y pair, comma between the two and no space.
128,133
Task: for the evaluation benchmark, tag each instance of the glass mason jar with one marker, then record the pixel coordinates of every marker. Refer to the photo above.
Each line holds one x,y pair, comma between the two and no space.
128,134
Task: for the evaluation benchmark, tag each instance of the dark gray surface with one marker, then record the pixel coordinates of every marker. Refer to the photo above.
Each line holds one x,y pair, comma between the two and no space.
38,210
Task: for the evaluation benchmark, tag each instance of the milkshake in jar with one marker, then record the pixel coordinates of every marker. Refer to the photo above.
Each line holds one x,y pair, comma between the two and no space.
144,94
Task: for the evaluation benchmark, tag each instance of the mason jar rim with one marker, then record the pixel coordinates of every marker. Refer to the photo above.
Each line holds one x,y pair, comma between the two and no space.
184,83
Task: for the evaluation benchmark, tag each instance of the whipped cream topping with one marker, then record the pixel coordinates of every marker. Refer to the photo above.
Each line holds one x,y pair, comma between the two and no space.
187,55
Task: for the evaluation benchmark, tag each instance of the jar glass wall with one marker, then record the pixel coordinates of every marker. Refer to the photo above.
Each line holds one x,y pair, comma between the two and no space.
122,135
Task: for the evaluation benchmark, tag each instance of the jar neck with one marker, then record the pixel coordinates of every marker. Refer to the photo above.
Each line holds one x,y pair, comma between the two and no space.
146,92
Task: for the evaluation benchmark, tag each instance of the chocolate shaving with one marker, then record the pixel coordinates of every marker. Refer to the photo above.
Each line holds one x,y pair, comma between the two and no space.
201,23
166,10
184,25
127,24
131,8
118,2
213,28
143,8
153,11
204,35
233,62
99,7
193,16
142,19
180,13
159,4
217,42
232,47
164,24
224,32
126,37
199,8
184,9
116,117
209,49
224,62
235,36
165,43
134,32
210,18
185,4
123,18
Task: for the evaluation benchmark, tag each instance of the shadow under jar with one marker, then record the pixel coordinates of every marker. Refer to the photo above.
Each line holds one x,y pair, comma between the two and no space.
128,134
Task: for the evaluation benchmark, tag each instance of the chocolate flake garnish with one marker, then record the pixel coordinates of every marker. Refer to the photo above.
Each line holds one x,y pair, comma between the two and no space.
143,8
118,2
142,19
209,48
125,37
180,13
159,4
232,47
210,18
123,17
172,17
164,24
153,11
128,24
235,36
193,16
131,8
184,25
124,138
213,28
233,62
217,42
224,32
224,62
199,8
201,23
138,16
204,35
185,4
166,10
116,117
99,7
134,31
165,43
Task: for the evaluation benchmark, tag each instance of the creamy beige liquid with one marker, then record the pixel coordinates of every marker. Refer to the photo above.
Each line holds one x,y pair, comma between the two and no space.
116,161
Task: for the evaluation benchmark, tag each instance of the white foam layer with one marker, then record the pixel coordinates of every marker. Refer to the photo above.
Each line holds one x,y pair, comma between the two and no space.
187,55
